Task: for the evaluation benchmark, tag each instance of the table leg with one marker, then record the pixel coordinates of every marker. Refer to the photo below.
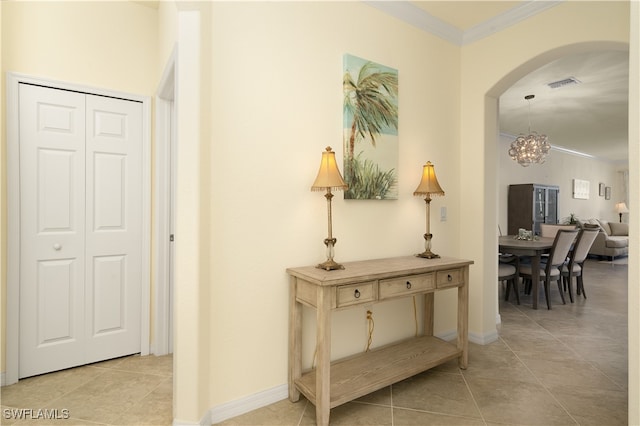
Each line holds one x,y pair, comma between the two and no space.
295,341
463,320
428,314
323,367
535,278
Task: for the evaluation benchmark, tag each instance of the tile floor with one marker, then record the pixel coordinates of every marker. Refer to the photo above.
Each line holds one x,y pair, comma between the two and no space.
567,366
133,390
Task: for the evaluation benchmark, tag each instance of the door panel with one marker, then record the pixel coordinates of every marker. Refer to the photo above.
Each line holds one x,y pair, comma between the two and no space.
55,301
109,291
114,223
52,151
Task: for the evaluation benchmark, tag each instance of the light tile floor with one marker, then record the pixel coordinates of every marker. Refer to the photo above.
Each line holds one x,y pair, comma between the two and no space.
566,366
132,390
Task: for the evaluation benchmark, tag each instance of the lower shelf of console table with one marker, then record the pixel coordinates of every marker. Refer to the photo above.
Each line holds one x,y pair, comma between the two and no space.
362,374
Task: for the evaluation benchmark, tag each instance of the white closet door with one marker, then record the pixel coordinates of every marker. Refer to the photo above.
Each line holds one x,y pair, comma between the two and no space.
81,228
113,227
52,210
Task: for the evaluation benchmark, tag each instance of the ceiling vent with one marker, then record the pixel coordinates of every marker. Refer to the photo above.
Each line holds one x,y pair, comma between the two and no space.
562,83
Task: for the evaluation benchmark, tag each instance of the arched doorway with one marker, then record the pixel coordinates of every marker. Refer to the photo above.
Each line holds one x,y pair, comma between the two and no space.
518,73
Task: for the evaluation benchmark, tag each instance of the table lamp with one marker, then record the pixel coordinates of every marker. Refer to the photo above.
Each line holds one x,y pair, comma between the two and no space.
621,208
329,178
428,186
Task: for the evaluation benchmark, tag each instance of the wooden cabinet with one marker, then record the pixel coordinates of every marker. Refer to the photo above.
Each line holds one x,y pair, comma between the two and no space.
335,383
530,205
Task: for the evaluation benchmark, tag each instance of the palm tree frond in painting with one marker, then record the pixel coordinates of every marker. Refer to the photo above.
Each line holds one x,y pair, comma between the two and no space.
371,101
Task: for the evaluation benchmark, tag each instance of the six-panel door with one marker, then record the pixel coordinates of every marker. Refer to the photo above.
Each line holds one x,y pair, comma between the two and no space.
80,203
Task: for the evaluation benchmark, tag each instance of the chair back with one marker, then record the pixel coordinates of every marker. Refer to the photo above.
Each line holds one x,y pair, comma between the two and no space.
561,246
550,230
585,240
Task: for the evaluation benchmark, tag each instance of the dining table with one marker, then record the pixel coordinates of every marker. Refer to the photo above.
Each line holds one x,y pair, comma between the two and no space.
535,248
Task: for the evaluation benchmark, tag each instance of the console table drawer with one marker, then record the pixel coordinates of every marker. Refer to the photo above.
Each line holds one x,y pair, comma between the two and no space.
403,286
449,278
347,295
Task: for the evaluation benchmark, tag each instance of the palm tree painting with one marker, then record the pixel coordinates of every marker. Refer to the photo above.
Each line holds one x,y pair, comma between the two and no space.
370,128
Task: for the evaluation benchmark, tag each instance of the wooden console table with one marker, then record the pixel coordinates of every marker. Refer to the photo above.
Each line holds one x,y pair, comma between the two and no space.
364,282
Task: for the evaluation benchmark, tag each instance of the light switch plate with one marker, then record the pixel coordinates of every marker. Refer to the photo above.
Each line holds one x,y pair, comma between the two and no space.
443,214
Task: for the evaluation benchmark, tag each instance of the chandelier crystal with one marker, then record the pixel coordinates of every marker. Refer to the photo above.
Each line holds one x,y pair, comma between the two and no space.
532,148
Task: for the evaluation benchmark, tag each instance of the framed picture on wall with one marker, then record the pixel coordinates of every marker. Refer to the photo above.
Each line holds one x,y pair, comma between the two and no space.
607,193
581,189
601,190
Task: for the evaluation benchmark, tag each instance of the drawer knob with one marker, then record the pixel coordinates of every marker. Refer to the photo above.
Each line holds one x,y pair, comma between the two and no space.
408,285
449,277
356,294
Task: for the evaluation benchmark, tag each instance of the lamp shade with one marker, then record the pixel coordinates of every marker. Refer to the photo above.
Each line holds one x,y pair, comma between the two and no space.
328,176
429,184
622,208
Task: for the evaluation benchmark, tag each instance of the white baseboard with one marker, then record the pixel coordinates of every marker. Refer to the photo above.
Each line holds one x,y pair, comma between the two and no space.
240,406
484,338
205,421
2,379
447,336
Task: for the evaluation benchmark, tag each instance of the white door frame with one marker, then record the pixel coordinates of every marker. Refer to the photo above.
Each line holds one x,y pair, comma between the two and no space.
164,181
13,210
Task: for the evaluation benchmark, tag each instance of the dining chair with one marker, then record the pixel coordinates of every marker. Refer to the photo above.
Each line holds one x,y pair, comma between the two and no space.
574,266
550,271
550,230
508,273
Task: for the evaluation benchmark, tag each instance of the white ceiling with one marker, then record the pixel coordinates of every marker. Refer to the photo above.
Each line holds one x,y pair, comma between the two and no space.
589,118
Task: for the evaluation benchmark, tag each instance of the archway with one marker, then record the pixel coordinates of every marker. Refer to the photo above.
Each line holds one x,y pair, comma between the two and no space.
493,94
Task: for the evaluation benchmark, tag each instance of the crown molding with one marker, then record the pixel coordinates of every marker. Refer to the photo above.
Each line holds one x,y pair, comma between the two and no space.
506,19
413,15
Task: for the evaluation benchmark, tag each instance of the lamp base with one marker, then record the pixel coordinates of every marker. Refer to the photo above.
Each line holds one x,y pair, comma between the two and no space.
427,254
329,265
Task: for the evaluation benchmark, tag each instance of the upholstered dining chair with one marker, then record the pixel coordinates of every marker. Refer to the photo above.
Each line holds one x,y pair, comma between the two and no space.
508,273
574,266
550,271
550,230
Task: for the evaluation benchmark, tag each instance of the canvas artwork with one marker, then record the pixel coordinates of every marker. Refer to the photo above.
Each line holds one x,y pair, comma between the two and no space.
370,130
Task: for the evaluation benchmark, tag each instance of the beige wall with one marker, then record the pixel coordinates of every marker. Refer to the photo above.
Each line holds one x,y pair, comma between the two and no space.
108,45
3,210
276,104
634,217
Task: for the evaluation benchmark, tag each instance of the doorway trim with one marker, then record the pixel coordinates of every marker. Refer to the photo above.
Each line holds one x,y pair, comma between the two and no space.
13,211
164,180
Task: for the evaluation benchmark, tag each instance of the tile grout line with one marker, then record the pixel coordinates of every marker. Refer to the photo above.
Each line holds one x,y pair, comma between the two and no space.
473,398
547,390
391,404
304,410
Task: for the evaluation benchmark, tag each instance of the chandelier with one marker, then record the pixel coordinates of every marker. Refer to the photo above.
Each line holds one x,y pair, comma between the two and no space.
532,148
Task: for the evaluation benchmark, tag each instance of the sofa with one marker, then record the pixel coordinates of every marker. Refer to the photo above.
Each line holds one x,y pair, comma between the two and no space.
612,240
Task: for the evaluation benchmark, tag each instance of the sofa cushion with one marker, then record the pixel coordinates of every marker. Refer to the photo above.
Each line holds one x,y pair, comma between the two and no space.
605,226
590,223
619,228
617,242
591,226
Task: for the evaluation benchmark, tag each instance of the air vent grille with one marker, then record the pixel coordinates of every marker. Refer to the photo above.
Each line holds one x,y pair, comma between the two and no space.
562,83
